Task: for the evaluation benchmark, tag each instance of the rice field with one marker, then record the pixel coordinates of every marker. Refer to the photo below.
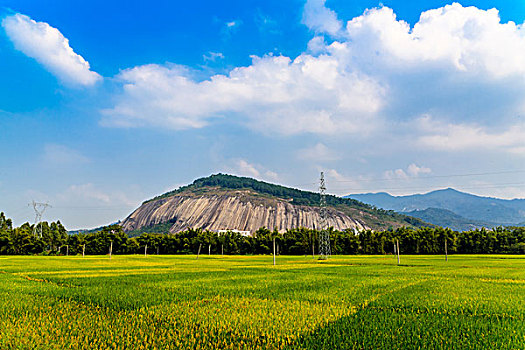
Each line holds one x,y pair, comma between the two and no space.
243,302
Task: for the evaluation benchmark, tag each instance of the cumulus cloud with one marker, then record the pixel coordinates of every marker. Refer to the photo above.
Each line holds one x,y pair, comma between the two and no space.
412,170
318,152
247,169
466,38
242,167
274,94
50,48
341,184
453,137
321,19
377,74
395,174
455,63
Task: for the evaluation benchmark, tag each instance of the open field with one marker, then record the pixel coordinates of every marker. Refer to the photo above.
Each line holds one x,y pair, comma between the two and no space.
243,302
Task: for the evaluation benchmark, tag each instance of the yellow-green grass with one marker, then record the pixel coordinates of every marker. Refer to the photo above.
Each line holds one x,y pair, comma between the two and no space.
243,302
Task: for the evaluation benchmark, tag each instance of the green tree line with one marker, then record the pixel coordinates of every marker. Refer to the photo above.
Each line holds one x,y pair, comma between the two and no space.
301,241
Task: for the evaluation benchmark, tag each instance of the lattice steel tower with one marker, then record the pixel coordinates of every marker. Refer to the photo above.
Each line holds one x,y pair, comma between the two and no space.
324,235
39,208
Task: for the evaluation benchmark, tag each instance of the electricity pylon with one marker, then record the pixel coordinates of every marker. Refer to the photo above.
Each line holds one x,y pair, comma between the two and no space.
39,208
324,235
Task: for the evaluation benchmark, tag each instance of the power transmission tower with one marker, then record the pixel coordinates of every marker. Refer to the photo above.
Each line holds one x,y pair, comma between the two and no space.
324,235
39,208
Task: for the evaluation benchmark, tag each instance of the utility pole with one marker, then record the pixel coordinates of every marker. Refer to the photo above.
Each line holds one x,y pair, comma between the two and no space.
39,209
446,252
110,249
146,250
274,251
199,252
313,244
83,250
324,235
397,244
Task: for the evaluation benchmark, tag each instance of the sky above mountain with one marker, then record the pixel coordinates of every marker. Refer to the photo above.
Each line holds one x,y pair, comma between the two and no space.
104,104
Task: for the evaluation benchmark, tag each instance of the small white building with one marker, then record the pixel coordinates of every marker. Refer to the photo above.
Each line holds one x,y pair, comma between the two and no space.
243,233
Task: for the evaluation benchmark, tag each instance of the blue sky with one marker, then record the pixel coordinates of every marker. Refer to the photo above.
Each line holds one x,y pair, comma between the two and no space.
104,104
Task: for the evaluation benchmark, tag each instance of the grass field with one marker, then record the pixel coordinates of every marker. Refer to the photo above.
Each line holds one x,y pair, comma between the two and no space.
243,302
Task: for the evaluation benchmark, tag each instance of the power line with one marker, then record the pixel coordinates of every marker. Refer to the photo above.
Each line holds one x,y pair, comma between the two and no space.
95,207
426,188
420,178
434,176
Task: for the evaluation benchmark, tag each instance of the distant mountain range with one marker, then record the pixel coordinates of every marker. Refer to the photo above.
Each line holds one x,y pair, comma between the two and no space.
447,218
451,208
91,230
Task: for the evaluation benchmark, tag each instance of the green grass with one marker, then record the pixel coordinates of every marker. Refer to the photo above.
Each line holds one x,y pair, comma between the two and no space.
243,302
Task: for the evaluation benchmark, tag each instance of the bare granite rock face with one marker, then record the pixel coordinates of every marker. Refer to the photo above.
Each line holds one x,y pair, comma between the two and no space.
237,210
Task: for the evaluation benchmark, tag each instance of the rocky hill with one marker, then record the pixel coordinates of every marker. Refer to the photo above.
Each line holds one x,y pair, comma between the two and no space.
226,202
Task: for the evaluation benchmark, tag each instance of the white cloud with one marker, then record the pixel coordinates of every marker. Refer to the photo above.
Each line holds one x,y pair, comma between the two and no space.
59,154
247,169
336,176
213,56
232,24
412,171
317,45
242,167
395,174
229,28
50,48
460,65
271,175
466,38
274,94
455,137
340,184
85,193
319,153
321,19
